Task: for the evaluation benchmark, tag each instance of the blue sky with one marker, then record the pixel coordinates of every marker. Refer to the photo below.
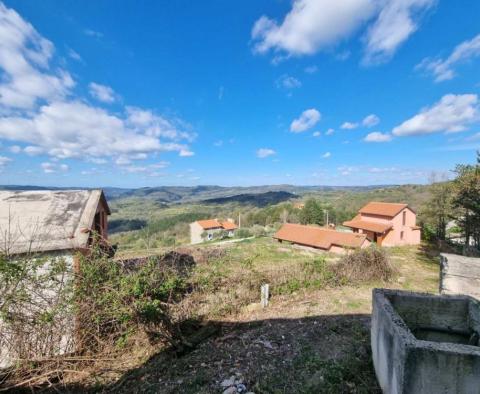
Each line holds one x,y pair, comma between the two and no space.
308,92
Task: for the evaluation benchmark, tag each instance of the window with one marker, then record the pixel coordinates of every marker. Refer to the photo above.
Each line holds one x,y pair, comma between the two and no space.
209,236
404,218
401,235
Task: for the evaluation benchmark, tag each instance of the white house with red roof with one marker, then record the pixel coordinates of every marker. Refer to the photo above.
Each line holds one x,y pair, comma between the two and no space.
387,224
206,230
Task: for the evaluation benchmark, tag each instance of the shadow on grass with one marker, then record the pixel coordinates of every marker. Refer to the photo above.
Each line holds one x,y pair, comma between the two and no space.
318,354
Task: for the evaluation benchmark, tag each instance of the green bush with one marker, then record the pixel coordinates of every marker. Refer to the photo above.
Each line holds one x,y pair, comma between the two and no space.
243,233
114,302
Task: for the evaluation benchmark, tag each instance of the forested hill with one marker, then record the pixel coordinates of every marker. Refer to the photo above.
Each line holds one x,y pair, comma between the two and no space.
185,194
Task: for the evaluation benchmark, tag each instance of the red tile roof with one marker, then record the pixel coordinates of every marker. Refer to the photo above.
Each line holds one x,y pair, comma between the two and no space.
357,222
210,224
383,208
228,225
318,237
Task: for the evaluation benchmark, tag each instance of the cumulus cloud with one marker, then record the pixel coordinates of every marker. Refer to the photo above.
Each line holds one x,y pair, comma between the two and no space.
396,22
25,58
444,69
3,161
149,170
453,113
349,126
315,25
265,152
39,108
102,93
311,25
15,149
77,130
329,132
49,168
326,155
317,133
371,120
186,153
307,120
377,136
288,82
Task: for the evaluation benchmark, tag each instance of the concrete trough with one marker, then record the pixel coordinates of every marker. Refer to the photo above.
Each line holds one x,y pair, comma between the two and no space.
424,343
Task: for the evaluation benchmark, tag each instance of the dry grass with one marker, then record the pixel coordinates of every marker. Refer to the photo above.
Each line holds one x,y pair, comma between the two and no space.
365,265
301,320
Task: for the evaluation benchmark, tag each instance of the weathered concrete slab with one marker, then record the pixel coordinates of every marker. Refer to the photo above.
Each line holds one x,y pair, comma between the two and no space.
459,275
425,343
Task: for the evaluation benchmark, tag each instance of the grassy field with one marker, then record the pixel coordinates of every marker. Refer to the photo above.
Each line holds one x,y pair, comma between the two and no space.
312,338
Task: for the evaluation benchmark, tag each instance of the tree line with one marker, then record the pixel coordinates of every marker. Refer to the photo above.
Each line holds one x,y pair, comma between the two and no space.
453,211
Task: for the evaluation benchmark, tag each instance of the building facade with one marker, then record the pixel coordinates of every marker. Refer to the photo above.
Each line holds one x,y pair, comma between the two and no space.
387,224
48,227
207,230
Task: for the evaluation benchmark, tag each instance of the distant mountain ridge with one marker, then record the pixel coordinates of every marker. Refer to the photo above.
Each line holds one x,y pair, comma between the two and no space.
185,194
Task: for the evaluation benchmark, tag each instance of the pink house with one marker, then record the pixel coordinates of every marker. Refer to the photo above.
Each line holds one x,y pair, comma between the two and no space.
387,224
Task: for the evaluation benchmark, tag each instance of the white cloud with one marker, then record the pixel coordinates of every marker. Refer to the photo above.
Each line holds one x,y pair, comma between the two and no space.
474,137
74,55
39,108
349,126
380,170
50,168
307,120
311,69
317,134
397,21
443,69
453,113
371,120
265,152
102,93
186,153
15,149
311,25
315,25
377,136
33,150
77,130
326,155
347,170
329,132
93,33
288,82
25,58
3,161
149,170
218,143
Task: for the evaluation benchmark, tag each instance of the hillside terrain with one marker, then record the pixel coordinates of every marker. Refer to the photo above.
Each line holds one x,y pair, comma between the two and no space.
312,338
146,218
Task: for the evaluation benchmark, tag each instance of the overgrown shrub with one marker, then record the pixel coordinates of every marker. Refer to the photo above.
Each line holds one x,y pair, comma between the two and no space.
243,233
114,302
364,265
36,297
